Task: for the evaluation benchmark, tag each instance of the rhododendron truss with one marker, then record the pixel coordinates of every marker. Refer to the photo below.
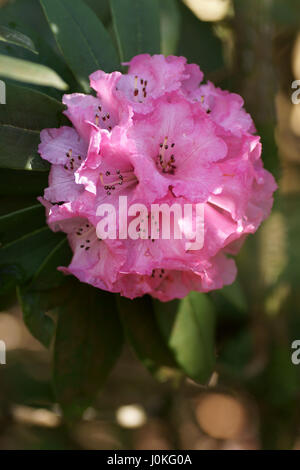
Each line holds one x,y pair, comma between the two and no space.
155,135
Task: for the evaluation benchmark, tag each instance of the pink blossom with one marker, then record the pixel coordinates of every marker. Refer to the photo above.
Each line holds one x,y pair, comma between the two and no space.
157,136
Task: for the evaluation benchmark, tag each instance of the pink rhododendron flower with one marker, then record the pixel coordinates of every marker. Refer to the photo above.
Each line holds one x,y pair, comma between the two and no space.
155,135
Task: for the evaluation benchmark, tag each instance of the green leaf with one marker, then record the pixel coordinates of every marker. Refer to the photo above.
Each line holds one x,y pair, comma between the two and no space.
18,223
30,72
15,203
39,308
22,182
82,38
47,276
15,37
142,330
188,328
27,17
26,14
88,342
47,289
30,250
10,275
13,227
137,27
198,42
35,306
169,26
235,295
101,8
26,113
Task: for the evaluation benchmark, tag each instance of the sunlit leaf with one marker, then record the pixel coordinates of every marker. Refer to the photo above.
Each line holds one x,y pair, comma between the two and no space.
30,72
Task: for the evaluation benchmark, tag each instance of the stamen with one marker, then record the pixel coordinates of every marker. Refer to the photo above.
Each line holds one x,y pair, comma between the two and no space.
166,163
136,91
127,178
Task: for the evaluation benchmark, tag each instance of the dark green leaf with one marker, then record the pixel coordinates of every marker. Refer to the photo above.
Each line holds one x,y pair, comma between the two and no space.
22,14
26,113
26,16
18,149
15,203
18,223
38,306
30,250
188,328
15,37
88,342
10,275
101,8
82,38
22,182
47,276
144,335
137,27
198,42
35,306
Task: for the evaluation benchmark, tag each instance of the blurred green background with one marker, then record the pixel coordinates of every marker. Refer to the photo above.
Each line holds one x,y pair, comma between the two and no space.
253,400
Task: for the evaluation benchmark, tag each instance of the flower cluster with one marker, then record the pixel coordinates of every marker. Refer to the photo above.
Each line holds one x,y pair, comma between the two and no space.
155,135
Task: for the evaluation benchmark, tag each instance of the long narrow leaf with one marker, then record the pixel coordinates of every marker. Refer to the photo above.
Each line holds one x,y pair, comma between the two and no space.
30,72
26,113
12,36
82,38
137,27
88,342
